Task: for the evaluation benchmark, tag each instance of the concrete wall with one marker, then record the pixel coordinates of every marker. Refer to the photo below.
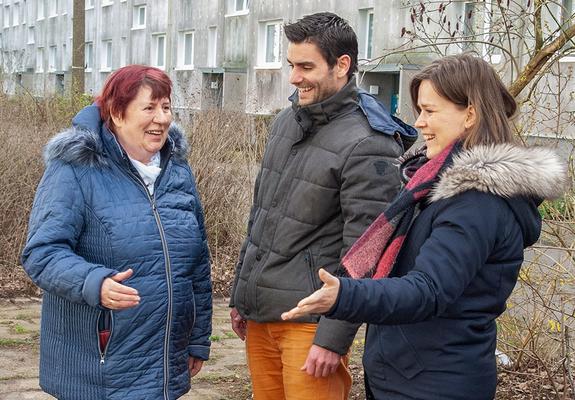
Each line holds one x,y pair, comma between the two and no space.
236,81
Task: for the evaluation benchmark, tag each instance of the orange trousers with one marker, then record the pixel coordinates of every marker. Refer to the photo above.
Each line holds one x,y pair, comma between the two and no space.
276,351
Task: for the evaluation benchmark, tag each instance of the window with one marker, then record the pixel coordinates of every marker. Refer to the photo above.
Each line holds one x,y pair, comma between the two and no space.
238,7
123,52
186,50
491,54
40,10
468,25
107,3
212,46
89,56
52,58
6,16
40,59
159,51
241,5
269,44
52,8
16,61
566,12
63,59
365,34
89,4
15,14
139,18
30,35
106,56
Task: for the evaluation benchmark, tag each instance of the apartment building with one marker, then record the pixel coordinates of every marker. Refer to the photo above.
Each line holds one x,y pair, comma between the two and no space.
228,54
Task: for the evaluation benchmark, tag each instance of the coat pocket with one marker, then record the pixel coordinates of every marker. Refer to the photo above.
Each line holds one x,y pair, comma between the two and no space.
313,276
104,330
398,352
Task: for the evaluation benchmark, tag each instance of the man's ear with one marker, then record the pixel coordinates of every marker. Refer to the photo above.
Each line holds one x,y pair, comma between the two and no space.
343,65
471,118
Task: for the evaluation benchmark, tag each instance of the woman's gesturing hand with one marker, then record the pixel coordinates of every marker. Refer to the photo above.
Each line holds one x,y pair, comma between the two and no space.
115,296
320,301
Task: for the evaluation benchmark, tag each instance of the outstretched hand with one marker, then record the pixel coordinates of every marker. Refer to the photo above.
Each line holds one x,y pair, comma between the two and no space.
320,301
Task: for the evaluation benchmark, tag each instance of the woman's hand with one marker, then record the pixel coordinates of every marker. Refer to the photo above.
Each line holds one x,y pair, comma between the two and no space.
115,296
320,301
194,366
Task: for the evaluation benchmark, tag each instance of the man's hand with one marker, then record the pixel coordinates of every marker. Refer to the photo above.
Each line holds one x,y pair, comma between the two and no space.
238,323
321,362
115,296
194,366
320,301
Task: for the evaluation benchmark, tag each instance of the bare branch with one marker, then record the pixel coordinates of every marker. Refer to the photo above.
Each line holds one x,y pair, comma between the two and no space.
539,60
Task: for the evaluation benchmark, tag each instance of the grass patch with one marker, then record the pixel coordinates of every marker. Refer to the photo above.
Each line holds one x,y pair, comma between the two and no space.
14,342
215,338
19,329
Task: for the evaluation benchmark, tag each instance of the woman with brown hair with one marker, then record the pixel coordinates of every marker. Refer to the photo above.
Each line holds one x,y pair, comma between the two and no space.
445,256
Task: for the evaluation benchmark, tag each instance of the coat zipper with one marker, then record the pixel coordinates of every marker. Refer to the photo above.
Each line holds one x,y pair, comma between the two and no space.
103,353
152,199
308,257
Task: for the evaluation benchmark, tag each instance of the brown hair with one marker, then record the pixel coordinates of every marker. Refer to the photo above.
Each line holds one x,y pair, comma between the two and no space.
468,80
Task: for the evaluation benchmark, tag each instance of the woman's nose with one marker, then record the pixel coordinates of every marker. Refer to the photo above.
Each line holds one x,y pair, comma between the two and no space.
419,122
162,116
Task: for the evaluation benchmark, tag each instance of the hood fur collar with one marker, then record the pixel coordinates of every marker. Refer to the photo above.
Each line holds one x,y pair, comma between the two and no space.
81,146
505,170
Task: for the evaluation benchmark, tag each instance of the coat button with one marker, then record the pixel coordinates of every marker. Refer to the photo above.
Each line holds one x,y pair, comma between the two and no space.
258,256
293,152
274,203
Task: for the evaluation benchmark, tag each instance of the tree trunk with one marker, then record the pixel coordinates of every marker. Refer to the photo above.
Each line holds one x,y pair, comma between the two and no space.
78,39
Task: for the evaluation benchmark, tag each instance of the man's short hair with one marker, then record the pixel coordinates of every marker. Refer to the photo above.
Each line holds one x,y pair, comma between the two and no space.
330,33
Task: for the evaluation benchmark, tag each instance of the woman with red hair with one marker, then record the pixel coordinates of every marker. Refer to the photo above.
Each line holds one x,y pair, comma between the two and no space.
117,242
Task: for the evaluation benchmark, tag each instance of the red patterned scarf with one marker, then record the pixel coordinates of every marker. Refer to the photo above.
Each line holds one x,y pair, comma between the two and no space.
374,253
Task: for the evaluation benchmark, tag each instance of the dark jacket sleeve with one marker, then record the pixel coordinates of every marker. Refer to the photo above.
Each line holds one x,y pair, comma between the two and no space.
56,223
369,182
462,237
246,241
199,345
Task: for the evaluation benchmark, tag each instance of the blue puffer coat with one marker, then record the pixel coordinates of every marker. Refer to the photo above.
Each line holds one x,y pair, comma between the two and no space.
432,331
92,218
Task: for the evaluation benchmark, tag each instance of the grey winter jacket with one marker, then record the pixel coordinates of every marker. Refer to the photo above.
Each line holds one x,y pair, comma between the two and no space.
325,175
92,218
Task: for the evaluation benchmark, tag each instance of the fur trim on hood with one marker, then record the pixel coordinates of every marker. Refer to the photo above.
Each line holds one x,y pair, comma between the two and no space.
80,146
505,170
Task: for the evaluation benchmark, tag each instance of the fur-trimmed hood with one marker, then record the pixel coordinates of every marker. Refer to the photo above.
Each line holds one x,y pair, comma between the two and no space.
505,170
84,142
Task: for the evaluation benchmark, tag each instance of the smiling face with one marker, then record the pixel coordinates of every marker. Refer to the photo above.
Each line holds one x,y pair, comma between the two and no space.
440,121
312,75
143,130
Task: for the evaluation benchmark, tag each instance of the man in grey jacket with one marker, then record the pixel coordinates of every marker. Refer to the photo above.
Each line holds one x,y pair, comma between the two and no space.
326,174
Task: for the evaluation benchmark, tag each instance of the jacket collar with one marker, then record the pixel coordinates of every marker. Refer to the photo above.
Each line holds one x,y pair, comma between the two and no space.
505,170
314,116
88,142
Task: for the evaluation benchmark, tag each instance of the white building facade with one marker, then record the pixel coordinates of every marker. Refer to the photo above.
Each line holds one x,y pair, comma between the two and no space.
228,54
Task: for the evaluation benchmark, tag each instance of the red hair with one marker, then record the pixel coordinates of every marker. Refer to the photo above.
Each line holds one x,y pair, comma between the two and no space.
123,85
